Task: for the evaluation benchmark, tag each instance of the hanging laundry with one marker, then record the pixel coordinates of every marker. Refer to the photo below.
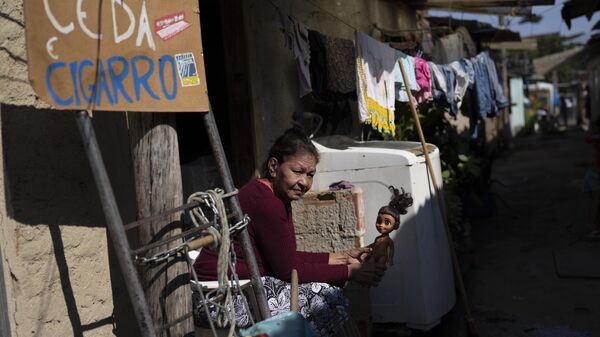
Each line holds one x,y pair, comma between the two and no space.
450,77
453,46
339,59
483,91
438,54
468,66
318,64
471,109
424,36
497,93
408,63
472,113
332,66
469,47
438,81
461,83
423,77
375,63
295,37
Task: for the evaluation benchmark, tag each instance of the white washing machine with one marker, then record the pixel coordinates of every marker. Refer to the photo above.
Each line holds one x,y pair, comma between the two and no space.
419,288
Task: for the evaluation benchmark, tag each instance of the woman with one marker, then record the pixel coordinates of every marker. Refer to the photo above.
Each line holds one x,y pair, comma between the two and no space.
287,175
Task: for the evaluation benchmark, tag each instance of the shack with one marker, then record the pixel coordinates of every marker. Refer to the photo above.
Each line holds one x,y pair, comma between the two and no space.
60,275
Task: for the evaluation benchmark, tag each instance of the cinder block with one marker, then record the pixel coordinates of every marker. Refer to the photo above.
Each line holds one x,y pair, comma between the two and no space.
328,221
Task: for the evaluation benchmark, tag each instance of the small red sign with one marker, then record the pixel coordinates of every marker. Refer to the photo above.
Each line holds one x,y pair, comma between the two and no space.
170,25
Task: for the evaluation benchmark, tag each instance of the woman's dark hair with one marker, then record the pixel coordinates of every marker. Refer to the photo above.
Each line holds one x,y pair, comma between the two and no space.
399,204
293,141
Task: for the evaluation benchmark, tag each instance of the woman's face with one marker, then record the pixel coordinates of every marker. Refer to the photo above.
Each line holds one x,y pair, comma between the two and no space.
292,178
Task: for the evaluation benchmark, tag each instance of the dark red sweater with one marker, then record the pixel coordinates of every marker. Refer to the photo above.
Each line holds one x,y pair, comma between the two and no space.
272,235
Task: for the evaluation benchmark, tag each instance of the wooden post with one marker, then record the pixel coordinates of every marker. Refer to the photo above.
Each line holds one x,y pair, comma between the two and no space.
157,172
442,206
505,113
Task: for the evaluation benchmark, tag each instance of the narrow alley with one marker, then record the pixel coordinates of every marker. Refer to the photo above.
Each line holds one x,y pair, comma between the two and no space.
532,272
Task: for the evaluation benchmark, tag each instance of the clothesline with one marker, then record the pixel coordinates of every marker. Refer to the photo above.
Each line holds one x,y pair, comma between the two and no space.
391,33
378,71
325,66
323,10
401,32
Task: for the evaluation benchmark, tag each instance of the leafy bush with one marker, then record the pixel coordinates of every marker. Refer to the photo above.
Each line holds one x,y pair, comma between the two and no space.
464,168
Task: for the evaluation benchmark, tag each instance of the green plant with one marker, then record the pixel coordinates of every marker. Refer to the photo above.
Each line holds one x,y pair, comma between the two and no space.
462,168
530,119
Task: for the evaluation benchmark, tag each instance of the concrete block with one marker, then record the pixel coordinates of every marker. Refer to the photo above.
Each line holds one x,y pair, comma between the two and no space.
328,221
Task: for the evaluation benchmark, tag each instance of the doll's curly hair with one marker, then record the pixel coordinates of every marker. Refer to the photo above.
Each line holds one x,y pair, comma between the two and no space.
399,204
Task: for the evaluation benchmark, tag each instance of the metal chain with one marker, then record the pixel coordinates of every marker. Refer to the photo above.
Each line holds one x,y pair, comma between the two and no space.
178,250
161,256
198,217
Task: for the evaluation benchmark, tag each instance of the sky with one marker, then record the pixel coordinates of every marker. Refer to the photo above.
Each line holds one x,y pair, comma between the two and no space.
551,21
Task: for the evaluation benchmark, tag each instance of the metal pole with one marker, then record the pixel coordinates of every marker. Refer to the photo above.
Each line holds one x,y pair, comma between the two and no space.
4,322
114,224
507,132
247,250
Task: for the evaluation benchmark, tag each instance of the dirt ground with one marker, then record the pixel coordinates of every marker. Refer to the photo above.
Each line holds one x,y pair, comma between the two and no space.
531,271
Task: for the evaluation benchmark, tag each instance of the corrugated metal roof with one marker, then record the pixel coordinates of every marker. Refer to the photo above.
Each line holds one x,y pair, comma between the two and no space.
545,64
480,31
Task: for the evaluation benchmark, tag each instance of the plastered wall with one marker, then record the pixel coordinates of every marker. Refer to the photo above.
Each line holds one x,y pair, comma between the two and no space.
59,276
54,248
14,83
274,78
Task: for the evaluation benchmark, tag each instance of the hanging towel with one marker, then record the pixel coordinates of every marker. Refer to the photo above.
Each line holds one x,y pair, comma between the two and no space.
339,58
295,37
375,63
423,77
332,68
408,62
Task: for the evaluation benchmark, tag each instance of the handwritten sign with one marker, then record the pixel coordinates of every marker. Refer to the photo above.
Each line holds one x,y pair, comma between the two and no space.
120,55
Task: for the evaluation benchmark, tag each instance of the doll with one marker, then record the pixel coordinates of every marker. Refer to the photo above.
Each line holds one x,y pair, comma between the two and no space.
388,219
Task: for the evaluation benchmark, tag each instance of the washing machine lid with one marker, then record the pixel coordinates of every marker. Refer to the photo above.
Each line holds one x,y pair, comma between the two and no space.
352,154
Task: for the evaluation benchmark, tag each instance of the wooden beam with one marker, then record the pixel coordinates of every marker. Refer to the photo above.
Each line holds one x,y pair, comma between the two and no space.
514,45
475,4
511,11
158,186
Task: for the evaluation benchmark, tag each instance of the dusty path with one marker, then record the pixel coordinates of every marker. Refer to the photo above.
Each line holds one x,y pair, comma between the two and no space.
513,283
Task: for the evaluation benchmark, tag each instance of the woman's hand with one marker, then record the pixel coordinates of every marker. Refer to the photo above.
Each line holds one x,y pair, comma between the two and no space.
368,274
356,255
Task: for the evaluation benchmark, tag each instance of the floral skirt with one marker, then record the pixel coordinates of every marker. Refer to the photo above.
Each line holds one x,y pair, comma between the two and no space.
324,306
